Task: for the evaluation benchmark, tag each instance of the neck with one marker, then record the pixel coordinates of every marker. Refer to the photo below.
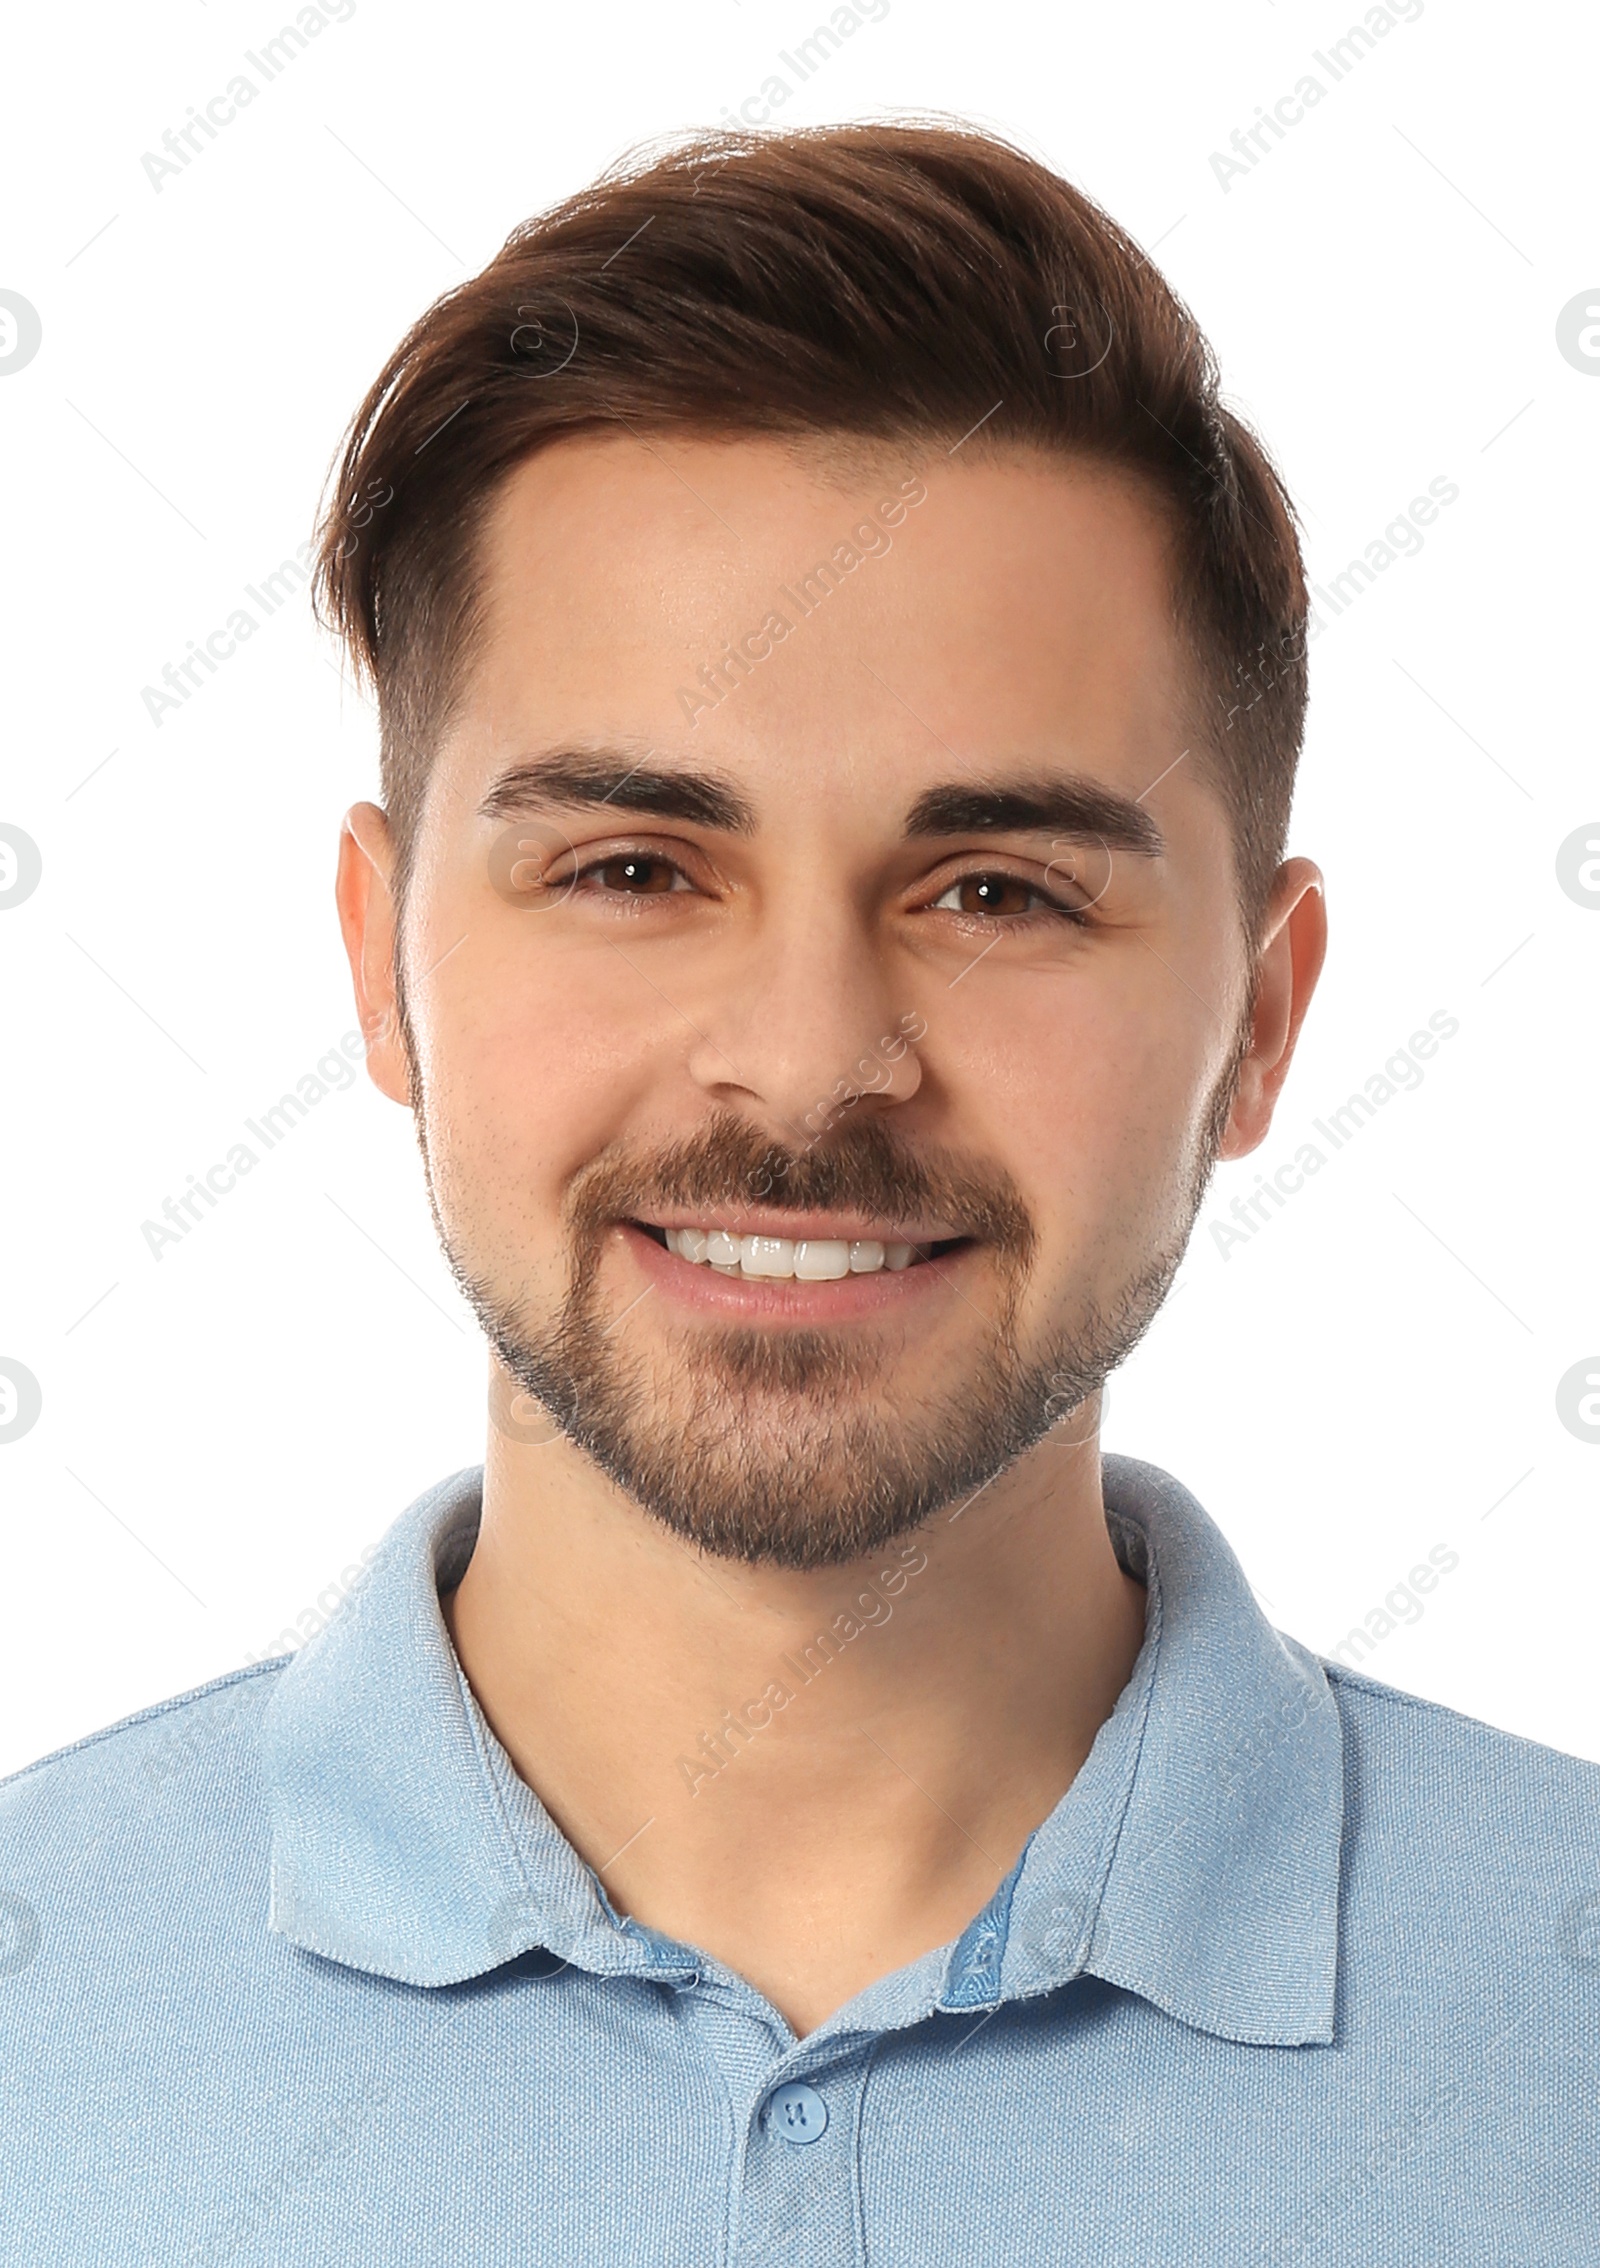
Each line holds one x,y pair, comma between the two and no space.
813,1776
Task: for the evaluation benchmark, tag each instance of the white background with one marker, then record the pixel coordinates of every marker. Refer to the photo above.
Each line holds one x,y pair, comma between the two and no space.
1371,1375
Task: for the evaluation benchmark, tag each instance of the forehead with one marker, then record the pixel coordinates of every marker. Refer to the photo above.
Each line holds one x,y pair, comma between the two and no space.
826,620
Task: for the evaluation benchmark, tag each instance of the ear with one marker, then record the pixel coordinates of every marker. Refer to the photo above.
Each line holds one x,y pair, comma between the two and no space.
364,893
1294,941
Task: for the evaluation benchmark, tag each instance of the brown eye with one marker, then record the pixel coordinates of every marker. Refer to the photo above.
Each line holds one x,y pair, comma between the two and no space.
634,876
995,894
1008,901
989,894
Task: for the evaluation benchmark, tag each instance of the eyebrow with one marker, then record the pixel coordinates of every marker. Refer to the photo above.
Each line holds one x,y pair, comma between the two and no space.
1054,804
593,777
1046,803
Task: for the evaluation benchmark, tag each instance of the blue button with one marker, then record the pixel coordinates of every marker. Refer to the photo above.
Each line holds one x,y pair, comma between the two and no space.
797,2112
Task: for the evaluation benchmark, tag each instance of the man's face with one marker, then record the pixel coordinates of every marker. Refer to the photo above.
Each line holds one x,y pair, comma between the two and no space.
919,931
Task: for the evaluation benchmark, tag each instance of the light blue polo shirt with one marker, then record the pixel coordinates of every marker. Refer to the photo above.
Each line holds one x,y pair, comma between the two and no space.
295,1972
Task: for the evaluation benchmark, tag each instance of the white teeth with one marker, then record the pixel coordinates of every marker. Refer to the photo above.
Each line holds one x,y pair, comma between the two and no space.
821,1260
812,1260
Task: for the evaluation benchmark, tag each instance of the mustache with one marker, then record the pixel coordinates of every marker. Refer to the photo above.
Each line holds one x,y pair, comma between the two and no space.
727,1164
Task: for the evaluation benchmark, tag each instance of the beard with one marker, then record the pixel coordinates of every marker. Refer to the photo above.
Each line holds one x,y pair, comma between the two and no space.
810,1448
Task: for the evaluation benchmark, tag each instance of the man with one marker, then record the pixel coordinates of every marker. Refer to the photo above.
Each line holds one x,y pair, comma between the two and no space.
840,672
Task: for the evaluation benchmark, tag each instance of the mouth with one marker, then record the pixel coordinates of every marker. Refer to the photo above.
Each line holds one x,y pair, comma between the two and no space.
795,1268
818,1258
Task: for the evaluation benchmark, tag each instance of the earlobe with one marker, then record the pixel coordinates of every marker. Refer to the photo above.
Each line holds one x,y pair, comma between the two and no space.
362,891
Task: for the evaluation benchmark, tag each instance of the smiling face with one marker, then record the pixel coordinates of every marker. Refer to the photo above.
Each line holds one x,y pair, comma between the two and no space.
818,1053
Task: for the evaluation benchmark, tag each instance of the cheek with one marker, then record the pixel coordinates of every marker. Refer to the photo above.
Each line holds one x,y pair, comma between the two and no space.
533,1059
1088,1097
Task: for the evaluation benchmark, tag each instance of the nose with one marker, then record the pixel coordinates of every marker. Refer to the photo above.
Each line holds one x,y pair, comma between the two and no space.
806,1026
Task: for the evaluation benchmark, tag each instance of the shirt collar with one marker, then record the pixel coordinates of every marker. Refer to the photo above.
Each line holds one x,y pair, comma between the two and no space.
1194,1860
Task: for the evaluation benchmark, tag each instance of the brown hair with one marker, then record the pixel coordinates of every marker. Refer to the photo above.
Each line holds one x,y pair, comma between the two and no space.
894,282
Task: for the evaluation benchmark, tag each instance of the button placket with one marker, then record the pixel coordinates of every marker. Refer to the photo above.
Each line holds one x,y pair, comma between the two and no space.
799,2201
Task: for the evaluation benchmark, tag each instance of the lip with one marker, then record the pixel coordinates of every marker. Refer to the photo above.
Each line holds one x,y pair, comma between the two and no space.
767,1299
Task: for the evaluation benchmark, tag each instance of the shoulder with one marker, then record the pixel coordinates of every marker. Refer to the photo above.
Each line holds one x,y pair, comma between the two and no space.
1479,1815
122,1855
127,1775
1395,1723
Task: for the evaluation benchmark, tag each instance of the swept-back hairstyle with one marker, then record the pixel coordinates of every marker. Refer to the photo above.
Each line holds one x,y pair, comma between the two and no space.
897,283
